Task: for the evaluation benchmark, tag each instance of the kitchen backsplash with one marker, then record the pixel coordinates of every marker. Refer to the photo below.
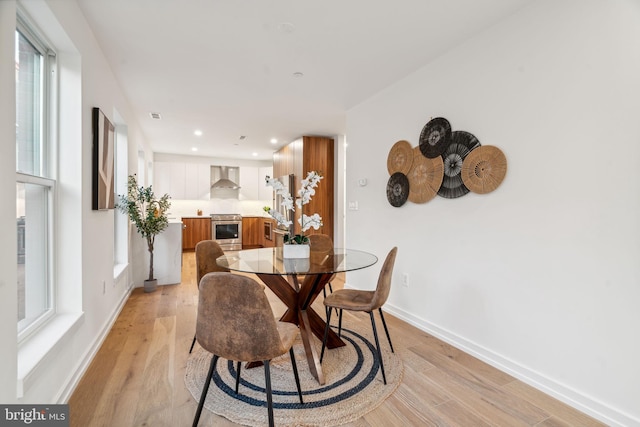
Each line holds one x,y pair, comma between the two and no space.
186,208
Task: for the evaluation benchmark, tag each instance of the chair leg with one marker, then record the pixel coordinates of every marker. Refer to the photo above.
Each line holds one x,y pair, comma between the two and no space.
375,335
192,343
295,373
331,291
205,389
267,381
340,325
385,329
238,368
326,333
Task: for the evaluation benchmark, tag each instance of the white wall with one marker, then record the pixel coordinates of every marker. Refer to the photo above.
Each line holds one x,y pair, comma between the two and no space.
85,269
8,266
540,277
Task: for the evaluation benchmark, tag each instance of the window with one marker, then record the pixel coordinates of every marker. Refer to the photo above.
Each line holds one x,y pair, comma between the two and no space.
121,221
35,185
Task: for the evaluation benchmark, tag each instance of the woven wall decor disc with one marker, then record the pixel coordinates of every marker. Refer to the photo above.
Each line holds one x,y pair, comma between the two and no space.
397,189
400,158
434,137
484,169
465,138
452,186
425,177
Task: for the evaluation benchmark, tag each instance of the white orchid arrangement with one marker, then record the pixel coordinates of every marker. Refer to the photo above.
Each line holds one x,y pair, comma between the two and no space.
305,193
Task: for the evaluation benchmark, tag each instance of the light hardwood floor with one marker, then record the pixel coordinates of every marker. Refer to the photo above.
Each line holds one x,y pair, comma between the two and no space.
137,377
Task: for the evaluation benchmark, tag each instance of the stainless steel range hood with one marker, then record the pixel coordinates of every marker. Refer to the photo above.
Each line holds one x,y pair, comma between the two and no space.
224,182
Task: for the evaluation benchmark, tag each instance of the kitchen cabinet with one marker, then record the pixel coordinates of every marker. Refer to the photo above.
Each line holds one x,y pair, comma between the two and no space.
169,178
268,235
310,153
258,232
195,230
264,192
197,181
182,181
251,232
252,183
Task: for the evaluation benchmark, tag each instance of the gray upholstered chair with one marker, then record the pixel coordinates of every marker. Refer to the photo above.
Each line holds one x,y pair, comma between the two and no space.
367,301
207,251
235,321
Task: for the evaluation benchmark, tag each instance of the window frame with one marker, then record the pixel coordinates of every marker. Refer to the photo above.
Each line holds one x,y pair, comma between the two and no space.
46,177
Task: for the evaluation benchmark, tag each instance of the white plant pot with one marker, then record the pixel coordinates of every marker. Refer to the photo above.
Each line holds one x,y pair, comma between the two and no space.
295,251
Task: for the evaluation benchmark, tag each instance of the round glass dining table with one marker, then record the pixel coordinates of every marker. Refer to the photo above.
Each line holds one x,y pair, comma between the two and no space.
297,282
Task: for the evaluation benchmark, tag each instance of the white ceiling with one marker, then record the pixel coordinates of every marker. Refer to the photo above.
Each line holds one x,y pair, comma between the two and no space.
227,67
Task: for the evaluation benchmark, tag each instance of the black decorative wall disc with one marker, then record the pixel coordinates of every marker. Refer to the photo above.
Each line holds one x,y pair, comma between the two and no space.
452,185
434,137
465,138
398,189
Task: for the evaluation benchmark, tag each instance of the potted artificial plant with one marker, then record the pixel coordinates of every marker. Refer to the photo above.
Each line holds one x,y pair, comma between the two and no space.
149,216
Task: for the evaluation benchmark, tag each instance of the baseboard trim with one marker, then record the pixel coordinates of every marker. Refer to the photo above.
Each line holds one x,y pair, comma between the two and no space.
571,397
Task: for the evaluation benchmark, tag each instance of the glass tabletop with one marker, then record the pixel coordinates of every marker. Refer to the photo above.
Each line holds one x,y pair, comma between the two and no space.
270,261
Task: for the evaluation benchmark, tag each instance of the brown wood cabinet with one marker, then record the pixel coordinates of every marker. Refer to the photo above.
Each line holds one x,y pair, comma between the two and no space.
251,232
255,231
268,236
310,153
194,230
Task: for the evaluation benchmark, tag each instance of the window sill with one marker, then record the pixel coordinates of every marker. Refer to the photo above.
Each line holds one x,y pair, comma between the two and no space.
119,270
33,353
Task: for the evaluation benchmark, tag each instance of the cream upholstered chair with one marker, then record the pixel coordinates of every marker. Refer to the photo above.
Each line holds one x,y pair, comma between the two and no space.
235,321
367,301
207,251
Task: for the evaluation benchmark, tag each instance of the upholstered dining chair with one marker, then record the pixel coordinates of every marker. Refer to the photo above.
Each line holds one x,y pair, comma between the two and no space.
367,301
322,243
207,251
235,322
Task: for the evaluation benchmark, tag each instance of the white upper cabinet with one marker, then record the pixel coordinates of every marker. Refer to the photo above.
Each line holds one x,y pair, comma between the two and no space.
197,181
253,185
182,181
248,183
264,192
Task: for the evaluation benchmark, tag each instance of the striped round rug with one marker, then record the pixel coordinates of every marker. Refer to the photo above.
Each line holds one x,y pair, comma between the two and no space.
353,384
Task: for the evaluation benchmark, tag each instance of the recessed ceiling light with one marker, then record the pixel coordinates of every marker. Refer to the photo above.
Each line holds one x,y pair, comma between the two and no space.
194,148
274,141
197,132
298,74
254,154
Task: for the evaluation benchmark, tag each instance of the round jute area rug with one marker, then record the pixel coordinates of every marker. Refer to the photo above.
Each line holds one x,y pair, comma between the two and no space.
353,384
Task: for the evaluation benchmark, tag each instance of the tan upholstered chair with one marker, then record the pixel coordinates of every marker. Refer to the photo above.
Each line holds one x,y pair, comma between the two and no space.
235,321
207,251
368,301
322,243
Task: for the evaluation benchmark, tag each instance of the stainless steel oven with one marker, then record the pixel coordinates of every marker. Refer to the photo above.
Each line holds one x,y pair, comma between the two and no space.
226,229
